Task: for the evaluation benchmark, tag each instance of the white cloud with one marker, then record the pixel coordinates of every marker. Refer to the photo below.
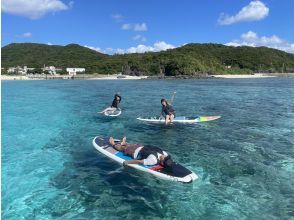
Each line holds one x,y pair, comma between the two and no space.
117,17
49,43
108,50
140,27
139,37
27,35
70,4
24,35
33,9
98,49
249,36
135,27
256,10
126,27
253,40
141,48
161,45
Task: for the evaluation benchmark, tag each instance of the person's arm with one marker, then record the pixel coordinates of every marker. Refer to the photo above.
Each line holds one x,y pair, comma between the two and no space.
117,104
126,162
162,113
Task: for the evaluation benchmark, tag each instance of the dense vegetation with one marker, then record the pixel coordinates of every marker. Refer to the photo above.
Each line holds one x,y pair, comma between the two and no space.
190,59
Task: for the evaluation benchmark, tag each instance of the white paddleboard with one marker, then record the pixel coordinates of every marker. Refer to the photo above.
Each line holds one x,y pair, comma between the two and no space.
113,112
181,119
181,174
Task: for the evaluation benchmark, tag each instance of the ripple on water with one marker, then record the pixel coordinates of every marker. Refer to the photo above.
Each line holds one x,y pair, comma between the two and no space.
50,169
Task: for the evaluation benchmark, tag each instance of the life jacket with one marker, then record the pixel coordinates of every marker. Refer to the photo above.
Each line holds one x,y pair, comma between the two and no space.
147,150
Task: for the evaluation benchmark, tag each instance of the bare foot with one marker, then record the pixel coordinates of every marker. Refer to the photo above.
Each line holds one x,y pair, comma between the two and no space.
124,141
111,141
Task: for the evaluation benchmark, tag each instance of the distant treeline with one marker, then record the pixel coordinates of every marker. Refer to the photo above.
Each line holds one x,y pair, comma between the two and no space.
191,59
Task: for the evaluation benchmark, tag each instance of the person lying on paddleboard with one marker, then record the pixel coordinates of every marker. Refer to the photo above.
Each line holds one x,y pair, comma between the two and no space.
114,105
167,111
146,155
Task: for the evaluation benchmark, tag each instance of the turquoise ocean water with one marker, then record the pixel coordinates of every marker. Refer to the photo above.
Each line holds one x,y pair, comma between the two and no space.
245,160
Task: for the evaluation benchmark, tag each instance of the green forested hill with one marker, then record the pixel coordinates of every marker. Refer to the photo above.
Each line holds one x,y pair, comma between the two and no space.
38,55
186,60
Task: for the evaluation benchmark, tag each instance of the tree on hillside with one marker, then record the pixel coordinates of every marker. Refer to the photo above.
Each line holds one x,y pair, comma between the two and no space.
38,70
190,59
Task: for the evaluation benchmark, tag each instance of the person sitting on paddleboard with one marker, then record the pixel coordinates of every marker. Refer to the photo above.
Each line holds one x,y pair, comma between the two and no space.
114,105
116,101
168,111
146,155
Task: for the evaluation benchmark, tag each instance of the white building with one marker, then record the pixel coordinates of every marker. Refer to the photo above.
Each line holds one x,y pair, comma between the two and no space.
11,70
74,71
19,70
50,69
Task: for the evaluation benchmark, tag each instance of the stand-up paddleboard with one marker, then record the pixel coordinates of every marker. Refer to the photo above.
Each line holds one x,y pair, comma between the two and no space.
112,112
180,173
181,119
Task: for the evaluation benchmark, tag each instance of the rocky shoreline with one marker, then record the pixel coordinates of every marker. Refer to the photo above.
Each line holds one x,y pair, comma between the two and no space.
154,77
208,76
199,76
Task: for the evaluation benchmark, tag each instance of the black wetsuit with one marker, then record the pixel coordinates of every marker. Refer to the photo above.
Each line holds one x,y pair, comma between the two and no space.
147,151
115,103
168,110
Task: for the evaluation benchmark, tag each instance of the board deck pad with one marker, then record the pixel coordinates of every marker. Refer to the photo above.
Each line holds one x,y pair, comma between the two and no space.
178,170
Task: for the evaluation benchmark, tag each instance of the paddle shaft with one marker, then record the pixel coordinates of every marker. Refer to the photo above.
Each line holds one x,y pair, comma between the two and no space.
172,98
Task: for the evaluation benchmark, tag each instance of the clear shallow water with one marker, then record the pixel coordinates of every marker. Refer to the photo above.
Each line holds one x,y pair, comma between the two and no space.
245,161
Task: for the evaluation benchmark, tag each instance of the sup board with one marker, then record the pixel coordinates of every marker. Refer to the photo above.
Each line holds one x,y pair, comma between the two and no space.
181,119
113,112
179,174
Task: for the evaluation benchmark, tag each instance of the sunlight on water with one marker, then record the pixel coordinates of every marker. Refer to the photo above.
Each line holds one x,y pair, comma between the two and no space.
50,169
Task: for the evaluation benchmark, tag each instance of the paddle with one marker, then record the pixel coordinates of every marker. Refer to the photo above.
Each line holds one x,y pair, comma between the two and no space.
173,97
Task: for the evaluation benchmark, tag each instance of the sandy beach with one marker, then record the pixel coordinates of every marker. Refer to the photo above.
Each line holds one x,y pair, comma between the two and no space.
6,77
85,77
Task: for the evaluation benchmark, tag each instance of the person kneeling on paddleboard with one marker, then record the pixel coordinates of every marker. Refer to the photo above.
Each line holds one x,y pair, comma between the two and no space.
168,111
114,105
146,155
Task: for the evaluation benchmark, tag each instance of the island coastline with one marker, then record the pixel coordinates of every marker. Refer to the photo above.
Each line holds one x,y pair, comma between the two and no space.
155,77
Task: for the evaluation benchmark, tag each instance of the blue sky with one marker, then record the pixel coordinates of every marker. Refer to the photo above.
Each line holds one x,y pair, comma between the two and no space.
122,26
